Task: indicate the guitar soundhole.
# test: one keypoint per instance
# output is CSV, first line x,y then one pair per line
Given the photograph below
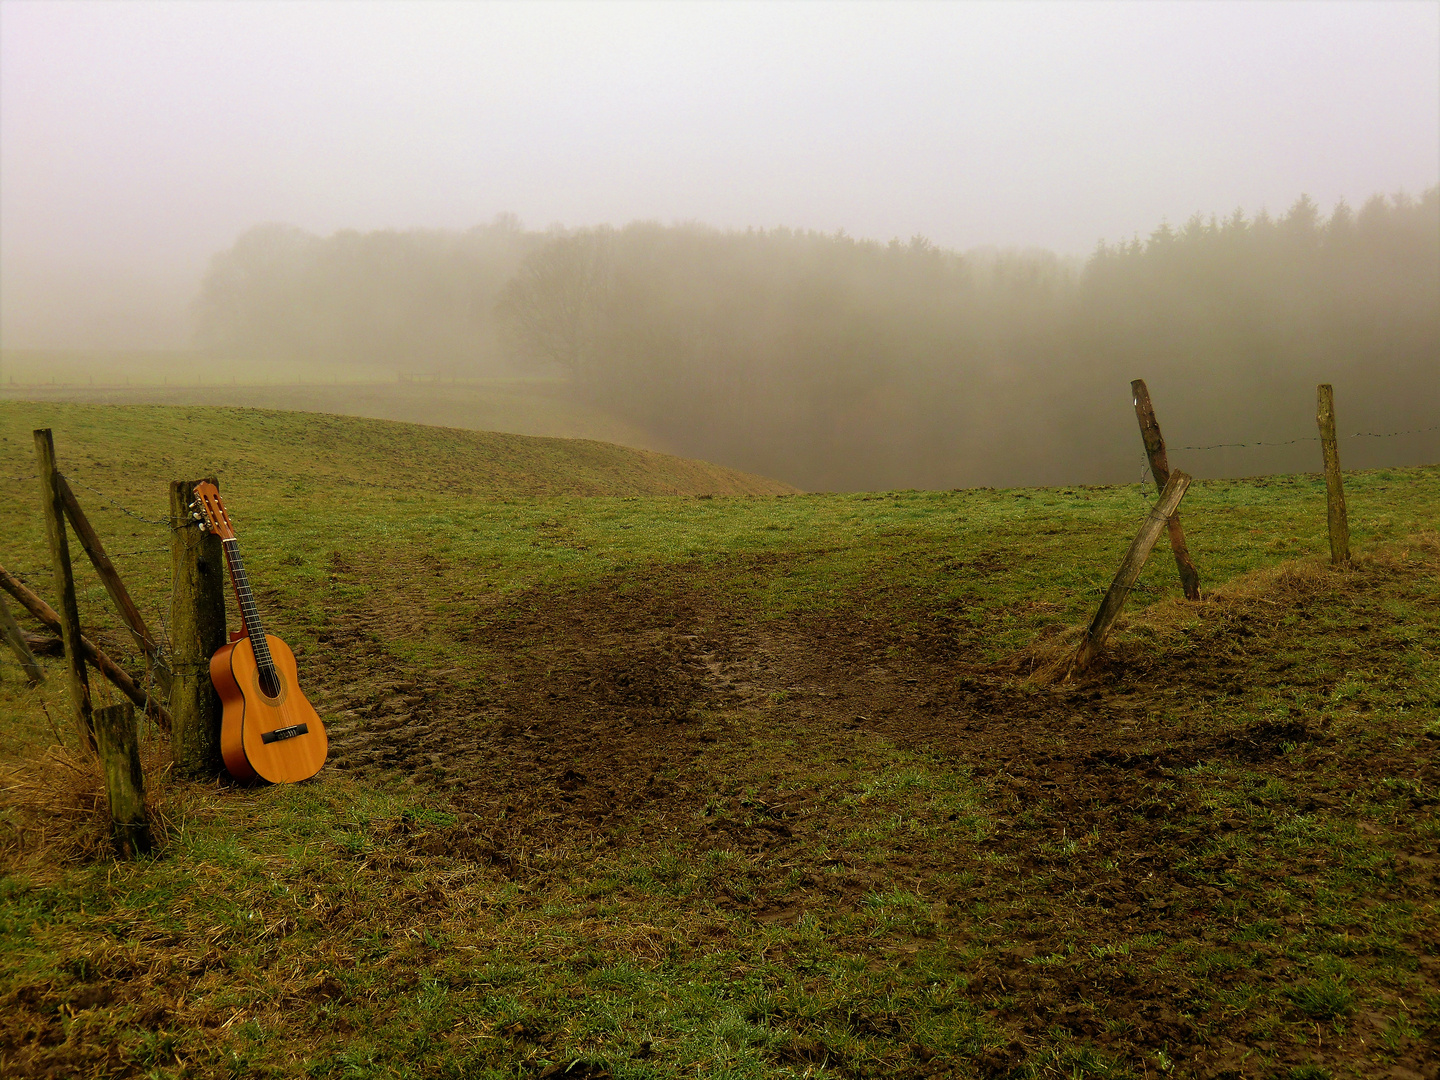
x,y
269,682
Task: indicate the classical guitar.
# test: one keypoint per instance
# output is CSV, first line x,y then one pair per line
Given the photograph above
x,y
267,728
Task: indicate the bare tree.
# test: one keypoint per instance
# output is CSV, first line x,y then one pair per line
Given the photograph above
x,y
550,310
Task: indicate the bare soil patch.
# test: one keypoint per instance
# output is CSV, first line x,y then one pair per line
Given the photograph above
x,y
612,714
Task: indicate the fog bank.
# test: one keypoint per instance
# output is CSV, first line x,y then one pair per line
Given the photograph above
x,y
137,139
833,363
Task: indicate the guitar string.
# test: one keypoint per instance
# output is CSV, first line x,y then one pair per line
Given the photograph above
x,y
249,613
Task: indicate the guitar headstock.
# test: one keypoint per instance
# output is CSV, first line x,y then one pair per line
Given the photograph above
x,y
209,510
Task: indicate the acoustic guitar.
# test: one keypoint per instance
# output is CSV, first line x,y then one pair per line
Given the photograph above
x,y
267,727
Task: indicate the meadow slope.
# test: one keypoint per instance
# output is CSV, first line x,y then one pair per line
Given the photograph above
x,y
270,447
743,786
545,407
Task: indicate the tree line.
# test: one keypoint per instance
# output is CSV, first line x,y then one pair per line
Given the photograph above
x,y
838,363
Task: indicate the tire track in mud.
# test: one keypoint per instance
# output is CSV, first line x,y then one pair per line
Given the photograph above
x,y
597,698
585,700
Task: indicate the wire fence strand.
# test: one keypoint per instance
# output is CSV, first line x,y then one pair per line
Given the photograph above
x,y
115,505
1312,438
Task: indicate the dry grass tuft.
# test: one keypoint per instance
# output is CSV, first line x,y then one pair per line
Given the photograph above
x,y
53,809
1046,659
1170,622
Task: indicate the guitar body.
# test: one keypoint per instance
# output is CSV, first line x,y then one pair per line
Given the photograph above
x,y
268,731
279,738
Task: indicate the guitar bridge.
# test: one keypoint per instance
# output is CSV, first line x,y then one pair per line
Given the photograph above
x,y
280,734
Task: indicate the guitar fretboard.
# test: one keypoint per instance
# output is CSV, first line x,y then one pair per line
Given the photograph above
x,y
248,611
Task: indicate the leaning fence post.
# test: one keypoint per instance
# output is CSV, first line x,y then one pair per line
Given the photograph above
x,y
51,503
1129,571
1160,468
1334,489
197,629
124,779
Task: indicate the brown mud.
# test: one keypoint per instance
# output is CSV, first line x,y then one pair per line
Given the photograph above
x,y
609,716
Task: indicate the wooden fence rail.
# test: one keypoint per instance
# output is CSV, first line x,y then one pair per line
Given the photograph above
x,y
111,670
15,638
129,612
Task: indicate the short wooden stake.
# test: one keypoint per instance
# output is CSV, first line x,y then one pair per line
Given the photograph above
x,y
124,780
1160,468
15,637
1129,571
1334,488
197,630
129,612
54,510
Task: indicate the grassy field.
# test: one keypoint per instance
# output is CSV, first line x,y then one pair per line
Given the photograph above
x,y
750,785
520,406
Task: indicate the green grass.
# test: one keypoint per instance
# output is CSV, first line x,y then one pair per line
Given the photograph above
x,y
519,405
825,882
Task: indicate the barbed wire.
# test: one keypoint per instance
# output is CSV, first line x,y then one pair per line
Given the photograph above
x,y
1312,438
1228,445
114,505
111,503
1147,479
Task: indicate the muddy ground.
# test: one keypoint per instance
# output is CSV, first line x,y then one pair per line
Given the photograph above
x,y
607,715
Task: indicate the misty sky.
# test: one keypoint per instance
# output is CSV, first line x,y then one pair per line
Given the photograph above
x,y
138,139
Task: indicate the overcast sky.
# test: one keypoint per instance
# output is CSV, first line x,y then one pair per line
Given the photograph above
x,y
138,139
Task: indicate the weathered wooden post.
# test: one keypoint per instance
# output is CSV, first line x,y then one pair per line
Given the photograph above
x,y
1334,488
1129,571
10,630
54,510
1160,468
197,629
124,781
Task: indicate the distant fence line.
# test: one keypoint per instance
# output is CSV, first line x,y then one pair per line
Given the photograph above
x,y
1147,481
1313,438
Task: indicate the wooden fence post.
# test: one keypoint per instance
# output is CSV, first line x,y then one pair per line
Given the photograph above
x,y
124,780
54,510
1160,468
1129,571
197,630
1334,489
12,633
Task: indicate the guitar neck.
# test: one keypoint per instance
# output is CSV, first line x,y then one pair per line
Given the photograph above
x,y
254,629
